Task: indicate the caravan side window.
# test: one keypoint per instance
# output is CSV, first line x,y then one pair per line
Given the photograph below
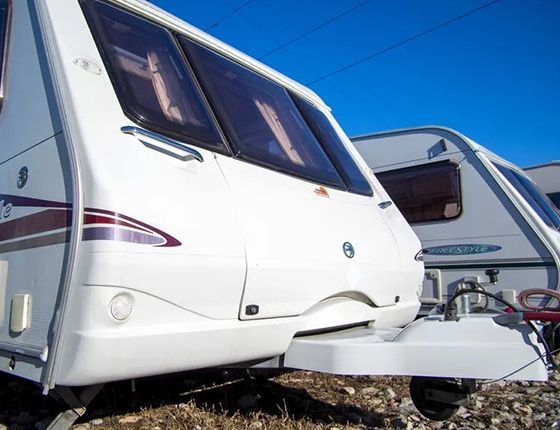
x,y
430,192
260,118
151,79
4,24
540,203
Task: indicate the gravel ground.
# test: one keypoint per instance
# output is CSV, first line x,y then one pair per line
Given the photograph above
x,y
297,400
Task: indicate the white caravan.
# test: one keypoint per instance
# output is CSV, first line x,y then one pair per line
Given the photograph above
x,y
169,203
547,177
478,216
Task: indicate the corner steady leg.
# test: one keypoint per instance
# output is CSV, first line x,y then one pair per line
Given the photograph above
x,y
76,404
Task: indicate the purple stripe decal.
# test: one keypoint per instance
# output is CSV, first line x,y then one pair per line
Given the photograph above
x,y
35,242
30,202
121,235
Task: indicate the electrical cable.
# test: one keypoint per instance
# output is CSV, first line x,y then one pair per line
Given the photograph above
x,y
314,29
520,368
229,15
551,358
402,42
481,290
552,330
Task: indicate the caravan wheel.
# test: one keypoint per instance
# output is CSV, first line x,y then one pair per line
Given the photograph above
x,y
423,390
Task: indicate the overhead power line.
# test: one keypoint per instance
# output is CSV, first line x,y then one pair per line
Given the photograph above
x,y
229,15
314,29
402,42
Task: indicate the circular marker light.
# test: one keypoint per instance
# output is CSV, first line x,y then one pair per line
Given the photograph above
x,y
121,306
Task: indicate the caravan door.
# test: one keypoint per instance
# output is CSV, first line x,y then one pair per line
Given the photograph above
x,y
307,237
35,196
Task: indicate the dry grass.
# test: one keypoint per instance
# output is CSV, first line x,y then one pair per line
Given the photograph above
x,y
298,400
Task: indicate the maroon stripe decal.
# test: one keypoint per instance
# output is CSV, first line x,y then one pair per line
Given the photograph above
x,y
41,222
100,219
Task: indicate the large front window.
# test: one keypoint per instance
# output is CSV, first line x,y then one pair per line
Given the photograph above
x,y
538,201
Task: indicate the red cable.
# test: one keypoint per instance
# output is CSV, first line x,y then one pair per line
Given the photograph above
x,y
541,316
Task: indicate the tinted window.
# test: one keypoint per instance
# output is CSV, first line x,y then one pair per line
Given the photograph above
x,y
540,203
4,17
260,118
336,150
555,198
150,76
425,193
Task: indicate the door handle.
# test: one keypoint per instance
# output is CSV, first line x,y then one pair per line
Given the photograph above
x,y
163,144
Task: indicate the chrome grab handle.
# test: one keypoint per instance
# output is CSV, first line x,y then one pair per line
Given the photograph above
x,y
163,144
385,205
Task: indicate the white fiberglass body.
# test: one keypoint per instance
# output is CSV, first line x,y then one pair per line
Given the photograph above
x,y
131,247
472,210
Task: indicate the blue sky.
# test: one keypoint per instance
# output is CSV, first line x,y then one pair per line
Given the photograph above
x,y
494,75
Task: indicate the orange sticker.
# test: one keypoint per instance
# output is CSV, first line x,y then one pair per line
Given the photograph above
x,y
322,192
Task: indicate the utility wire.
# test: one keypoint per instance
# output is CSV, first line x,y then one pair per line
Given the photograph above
x,y
229,15
314,29
402,42
539,357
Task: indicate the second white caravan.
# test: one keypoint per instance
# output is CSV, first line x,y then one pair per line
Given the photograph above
x,y
478,216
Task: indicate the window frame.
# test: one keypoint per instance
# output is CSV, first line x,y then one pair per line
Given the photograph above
x,y
420,166
4,48
223,146
542,213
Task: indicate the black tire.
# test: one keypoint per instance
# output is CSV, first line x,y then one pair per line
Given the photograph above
x,y
432,410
